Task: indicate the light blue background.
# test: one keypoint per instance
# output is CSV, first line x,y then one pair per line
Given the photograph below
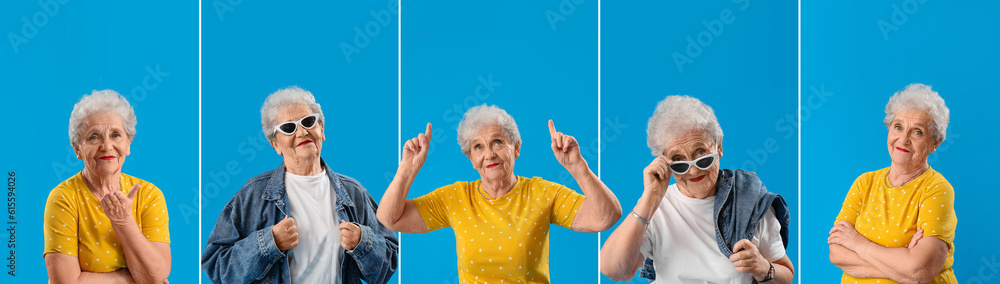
x,y
79,47
538,73
257,48
950,46
746,73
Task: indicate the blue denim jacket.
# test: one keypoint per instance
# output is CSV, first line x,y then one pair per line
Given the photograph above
x,y
241,248
741,200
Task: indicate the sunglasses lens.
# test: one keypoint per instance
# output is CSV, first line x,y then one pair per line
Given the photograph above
x,y
287,128
309,121
705,162
679,167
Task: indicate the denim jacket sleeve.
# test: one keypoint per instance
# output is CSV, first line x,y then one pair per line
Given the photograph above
x,y
231,258
377,251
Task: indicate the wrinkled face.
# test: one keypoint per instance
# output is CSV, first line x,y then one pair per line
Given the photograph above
x,y
910,139
103,143
304,143
492,153
690,146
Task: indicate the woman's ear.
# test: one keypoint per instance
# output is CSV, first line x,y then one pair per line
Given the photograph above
x,y
76,150
720,148
517,149
274,145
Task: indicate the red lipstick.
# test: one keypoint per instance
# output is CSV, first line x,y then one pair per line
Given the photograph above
x,y
107,158
902,150
493,165
304,142
697,179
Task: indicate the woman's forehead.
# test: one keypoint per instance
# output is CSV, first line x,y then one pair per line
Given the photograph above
x,y
912,116
489,131
689,141
103,120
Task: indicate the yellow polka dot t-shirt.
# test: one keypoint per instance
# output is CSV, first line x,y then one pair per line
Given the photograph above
x,y
504,239
75,224
889,216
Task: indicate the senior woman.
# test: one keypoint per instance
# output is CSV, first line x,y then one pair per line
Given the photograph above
x,y
301,222
898,223
712,225
101,225
501,221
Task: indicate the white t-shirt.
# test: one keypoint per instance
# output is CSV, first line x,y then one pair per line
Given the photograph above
x,y
312,199
681,241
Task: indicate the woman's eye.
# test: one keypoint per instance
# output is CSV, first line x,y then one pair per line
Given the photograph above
x,y
497,142
918,132
898,128
477,147
675,158
92,138
116,135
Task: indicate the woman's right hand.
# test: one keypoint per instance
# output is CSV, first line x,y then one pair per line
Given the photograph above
x,y
415,152
656,177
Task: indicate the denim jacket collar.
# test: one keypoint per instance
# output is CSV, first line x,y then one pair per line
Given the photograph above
x,y
275,190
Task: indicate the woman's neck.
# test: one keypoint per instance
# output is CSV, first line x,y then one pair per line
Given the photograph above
x,y
102,184
696,195
902,174
498,187
303,167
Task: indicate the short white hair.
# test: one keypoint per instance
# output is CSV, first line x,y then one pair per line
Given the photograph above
x,y
281,99
676,115
481,116
96,102
920,97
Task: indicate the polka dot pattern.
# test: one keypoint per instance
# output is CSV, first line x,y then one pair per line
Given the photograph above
x,y
506,239
77,226
889,216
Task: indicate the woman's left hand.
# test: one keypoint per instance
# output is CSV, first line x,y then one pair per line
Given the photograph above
x,y
118,206
843,233
350,235
747,259
565,148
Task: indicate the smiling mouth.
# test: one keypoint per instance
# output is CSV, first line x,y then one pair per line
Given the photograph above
x,y
304,142
697,179
902,150
107,158
493,165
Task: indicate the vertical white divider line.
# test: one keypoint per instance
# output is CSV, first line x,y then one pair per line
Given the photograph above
x,y
399,120
799,107
599,127
199,145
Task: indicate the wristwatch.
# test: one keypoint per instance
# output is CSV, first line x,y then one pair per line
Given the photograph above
x,y
770,274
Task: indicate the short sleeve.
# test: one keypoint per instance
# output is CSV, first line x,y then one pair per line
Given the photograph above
x,y
650,238
434,205
937,212
853,203
564,204
60,224
153,214
769,234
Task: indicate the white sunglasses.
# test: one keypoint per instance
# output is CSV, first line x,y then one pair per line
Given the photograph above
x,y
682,167
289,127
